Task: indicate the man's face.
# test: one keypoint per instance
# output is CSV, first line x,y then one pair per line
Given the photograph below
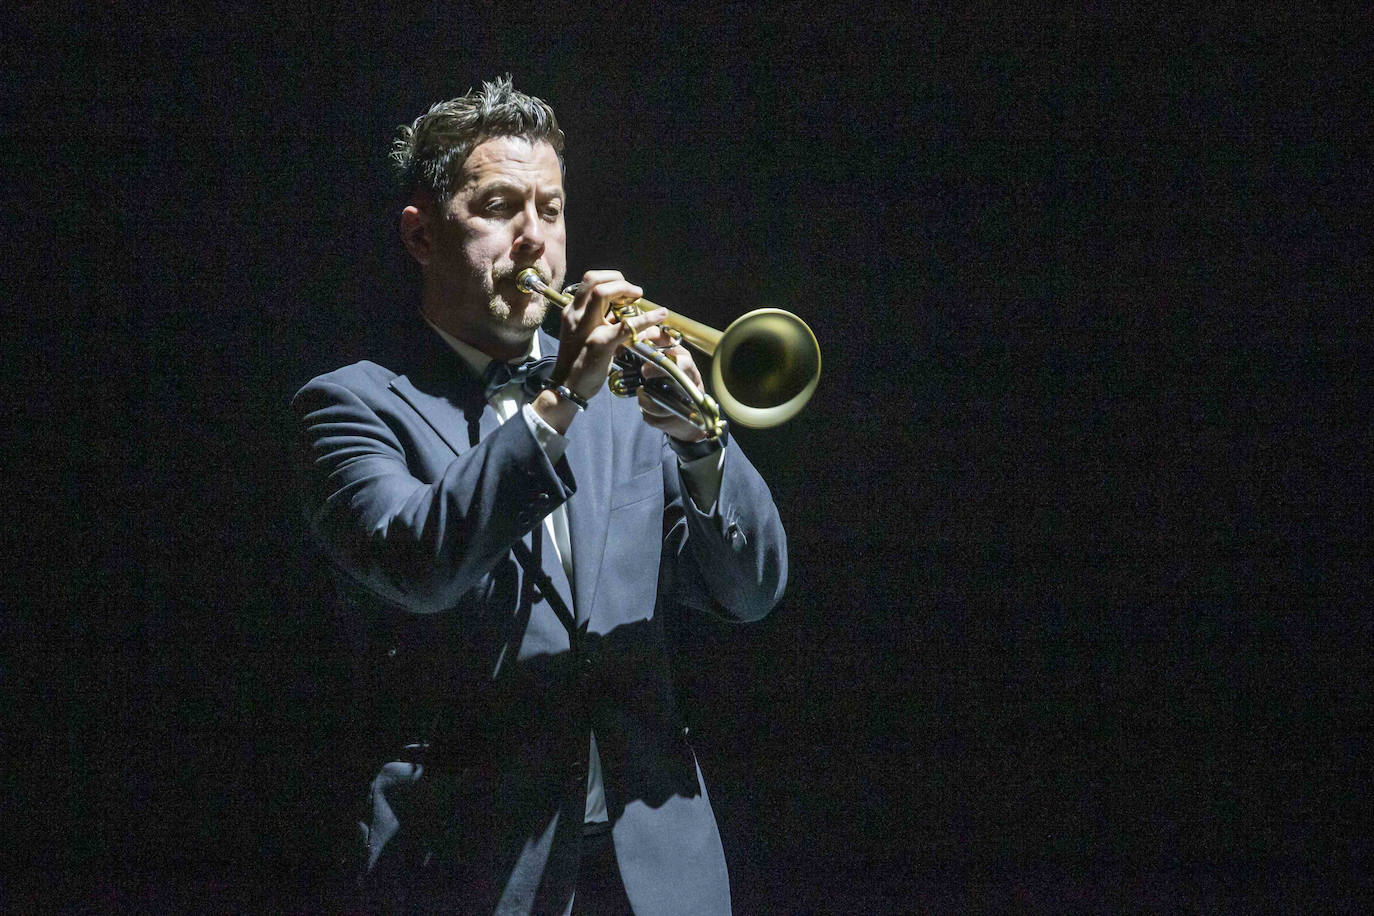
x,y
506,215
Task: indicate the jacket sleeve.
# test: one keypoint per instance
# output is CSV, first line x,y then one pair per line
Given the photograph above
x,y
417,544
734,559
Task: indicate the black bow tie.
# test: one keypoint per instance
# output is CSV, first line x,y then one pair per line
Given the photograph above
x,y
530,374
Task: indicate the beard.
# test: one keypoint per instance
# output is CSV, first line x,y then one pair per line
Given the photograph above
x,y
522,319
529,318
480,304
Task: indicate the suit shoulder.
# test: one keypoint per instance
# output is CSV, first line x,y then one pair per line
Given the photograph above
x,y
365,371
360,376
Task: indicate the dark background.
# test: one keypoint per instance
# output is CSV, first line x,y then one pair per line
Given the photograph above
x,y
1079,517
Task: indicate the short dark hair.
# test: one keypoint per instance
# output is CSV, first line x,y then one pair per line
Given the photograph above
x,y
430,152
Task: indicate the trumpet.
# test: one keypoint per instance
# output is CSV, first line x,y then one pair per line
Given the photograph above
x,y
765,365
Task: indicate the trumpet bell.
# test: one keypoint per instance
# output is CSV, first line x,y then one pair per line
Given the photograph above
x,y
765,368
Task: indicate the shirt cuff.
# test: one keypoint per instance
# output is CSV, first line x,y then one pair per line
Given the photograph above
x,y
551,442
702,479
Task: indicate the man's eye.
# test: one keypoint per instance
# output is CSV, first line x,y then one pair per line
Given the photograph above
x,y
552,213
497,205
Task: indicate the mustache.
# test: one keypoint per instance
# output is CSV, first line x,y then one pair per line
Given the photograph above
x,y
508,275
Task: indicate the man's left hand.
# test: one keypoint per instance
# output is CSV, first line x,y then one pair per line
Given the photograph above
x,y
652,413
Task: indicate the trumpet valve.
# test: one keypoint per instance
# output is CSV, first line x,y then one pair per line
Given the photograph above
x,y
626,310
624,383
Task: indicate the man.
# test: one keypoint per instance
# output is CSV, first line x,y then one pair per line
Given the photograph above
x,y
514,547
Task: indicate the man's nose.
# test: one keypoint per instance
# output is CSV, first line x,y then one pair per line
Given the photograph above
x,y
529,232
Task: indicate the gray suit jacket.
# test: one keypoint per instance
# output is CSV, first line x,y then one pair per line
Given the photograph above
x,y
430,511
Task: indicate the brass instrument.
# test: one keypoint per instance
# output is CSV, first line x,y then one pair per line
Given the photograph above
x,y
765,366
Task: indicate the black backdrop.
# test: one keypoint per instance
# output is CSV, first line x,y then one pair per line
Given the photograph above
x,y
1079,516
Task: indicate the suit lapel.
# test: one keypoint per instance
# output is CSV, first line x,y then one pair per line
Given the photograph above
x,y
589,456
446,394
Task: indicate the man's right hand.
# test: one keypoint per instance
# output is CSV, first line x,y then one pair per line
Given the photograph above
x,y
588,340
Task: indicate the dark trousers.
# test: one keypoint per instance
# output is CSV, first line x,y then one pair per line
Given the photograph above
x,y
600,892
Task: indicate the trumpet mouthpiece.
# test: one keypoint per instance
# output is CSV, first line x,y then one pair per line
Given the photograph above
x,y
530,280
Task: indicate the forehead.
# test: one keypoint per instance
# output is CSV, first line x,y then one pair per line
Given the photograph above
x,y
512,159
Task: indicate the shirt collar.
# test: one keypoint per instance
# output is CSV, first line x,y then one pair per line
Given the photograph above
x,y
473,358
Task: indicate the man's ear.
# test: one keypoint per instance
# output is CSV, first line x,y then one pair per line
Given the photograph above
x,y
415,234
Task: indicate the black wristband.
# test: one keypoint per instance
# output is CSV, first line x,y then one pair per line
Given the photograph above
x,y
564,392
689,451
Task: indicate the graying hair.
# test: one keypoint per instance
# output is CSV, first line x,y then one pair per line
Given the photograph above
x,y
429,154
